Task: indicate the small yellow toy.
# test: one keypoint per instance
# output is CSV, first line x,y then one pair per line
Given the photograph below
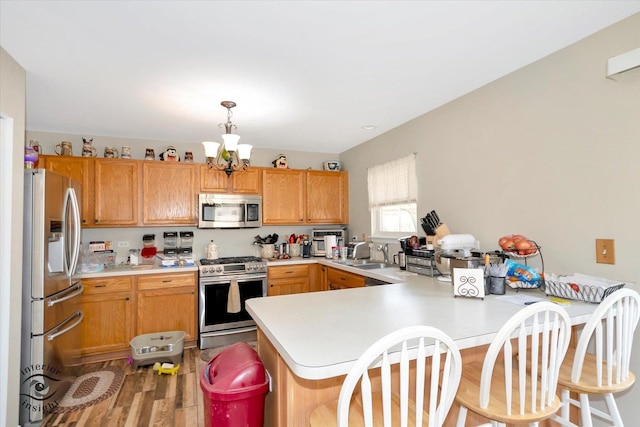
x,y
166,368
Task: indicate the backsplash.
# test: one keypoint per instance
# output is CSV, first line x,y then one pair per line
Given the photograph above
x,y
231,242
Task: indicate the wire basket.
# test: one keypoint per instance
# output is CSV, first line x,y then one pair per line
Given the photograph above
x,y
580,287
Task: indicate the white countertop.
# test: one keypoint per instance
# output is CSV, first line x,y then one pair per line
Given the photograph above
x,y
321,334
129,270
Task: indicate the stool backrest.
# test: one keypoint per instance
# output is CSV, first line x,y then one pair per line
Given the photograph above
x,y
540,334
419,343
610,331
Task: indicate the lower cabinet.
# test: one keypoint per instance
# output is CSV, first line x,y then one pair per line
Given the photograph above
x,y
167,302
118,308
288,279
106,304
340,279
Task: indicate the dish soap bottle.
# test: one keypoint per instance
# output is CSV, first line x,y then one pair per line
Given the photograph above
x,y
212,250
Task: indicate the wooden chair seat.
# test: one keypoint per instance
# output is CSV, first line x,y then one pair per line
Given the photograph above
x,y
325,415
589,380
469,391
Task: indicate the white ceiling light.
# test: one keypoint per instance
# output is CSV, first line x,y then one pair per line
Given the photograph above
x,y
228,156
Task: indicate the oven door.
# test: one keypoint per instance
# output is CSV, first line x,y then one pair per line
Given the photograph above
x,y
213,297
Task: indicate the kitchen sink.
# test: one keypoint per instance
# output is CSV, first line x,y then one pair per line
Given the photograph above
x,y
373,265
364,264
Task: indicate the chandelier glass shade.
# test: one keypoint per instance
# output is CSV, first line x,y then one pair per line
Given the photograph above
x,y
230,156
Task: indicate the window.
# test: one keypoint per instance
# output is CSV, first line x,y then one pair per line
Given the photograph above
x,y
393,195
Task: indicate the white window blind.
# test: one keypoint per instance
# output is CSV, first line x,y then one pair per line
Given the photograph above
x,y
393,182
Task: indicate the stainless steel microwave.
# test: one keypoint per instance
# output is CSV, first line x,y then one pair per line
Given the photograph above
x,y
229,211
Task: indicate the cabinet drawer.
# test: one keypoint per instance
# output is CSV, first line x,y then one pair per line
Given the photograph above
x,y
107,284
286,271
162,281
344,278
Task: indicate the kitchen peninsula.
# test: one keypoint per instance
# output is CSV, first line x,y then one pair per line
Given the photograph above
x,y
308,342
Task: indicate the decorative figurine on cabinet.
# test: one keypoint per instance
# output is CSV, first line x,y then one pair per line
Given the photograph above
x,y
281,162
171,155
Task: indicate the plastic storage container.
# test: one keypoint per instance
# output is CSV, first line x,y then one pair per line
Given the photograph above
x,y
234,384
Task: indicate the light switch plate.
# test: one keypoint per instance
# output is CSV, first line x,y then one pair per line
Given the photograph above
x,y
605,251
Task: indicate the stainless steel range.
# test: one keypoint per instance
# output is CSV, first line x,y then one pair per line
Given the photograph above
x,y
224,286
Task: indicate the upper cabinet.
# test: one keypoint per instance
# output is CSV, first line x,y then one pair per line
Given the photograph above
x,y
327,197
283,196
135,193
169,193
116,192
79,169
304,197
240,182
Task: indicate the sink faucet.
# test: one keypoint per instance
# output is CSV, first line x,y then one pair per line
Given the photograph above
x,y
385,251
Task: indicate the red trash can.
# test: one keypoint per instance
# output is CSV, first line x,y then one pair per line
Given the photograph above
x,y
234,384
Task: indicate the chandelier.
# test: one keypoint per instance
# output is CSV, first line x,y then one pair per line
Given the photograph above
x,y
228,156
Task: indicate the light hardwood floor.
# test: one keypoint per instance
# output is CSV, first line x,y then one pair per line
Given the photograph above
x,y
145,398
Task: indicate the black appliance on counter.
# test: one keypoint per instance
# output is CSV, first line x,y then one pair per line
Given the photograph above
x,y
219,280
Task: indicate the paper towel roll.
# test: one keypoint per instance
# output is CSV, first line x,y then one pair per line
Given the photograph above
x,y
329,242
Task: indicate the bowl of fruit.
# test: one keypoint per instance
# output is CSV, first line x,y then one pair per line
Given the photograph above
x,y
518,245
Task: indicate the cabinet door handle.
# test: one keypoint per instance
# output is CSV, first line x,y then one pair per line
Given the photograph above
x,y
167,281
96,220
288,272
126,299
101,286
343,278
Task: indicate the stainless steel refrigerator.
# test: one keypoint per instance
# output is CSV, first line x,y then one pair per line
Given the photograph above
x,y
50,292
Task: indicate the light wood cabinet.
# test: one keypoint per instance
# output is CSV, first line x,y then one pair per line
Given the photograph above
x,y
167,302
340,279
283,196
327,197
317,278
304,197
81,170
116,192
107,308
169,193
288,279
240,182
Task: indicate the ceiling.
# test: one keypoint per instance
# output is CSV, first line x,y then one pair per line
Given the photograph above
x,y
306,75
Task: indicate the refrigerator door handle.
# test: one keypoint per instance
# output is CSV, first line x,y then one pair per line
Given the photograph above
x,y
78,291
72,211
56,332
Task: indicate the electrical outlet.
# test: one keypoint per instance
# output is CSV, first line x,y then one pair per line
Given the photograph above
x,y
605,251
123,244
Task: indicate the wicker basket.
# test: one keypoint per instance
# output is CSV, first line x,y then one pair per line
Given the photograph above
x,y
580,287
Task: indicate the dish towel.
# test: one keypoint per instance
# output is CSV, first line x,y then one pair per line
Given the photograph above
x,y
233,301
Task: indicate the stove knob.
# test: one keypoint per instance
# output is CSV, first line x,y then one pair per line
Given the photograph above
x,y
219,269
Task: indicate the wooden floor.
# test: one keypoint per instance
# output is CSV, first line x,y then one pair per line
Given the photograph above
x,y
145,398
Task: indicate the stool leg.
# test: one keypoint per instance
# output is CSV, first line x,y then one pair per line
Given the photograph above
x,y
613,410
566,404
585,411
462,416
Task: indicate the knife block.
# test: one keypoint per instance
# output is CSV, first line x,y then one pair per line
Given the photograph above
x,y
441,231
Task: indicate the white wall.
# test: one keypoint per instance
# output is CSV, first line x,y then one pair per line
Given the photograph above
x,y
551,151
12,116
